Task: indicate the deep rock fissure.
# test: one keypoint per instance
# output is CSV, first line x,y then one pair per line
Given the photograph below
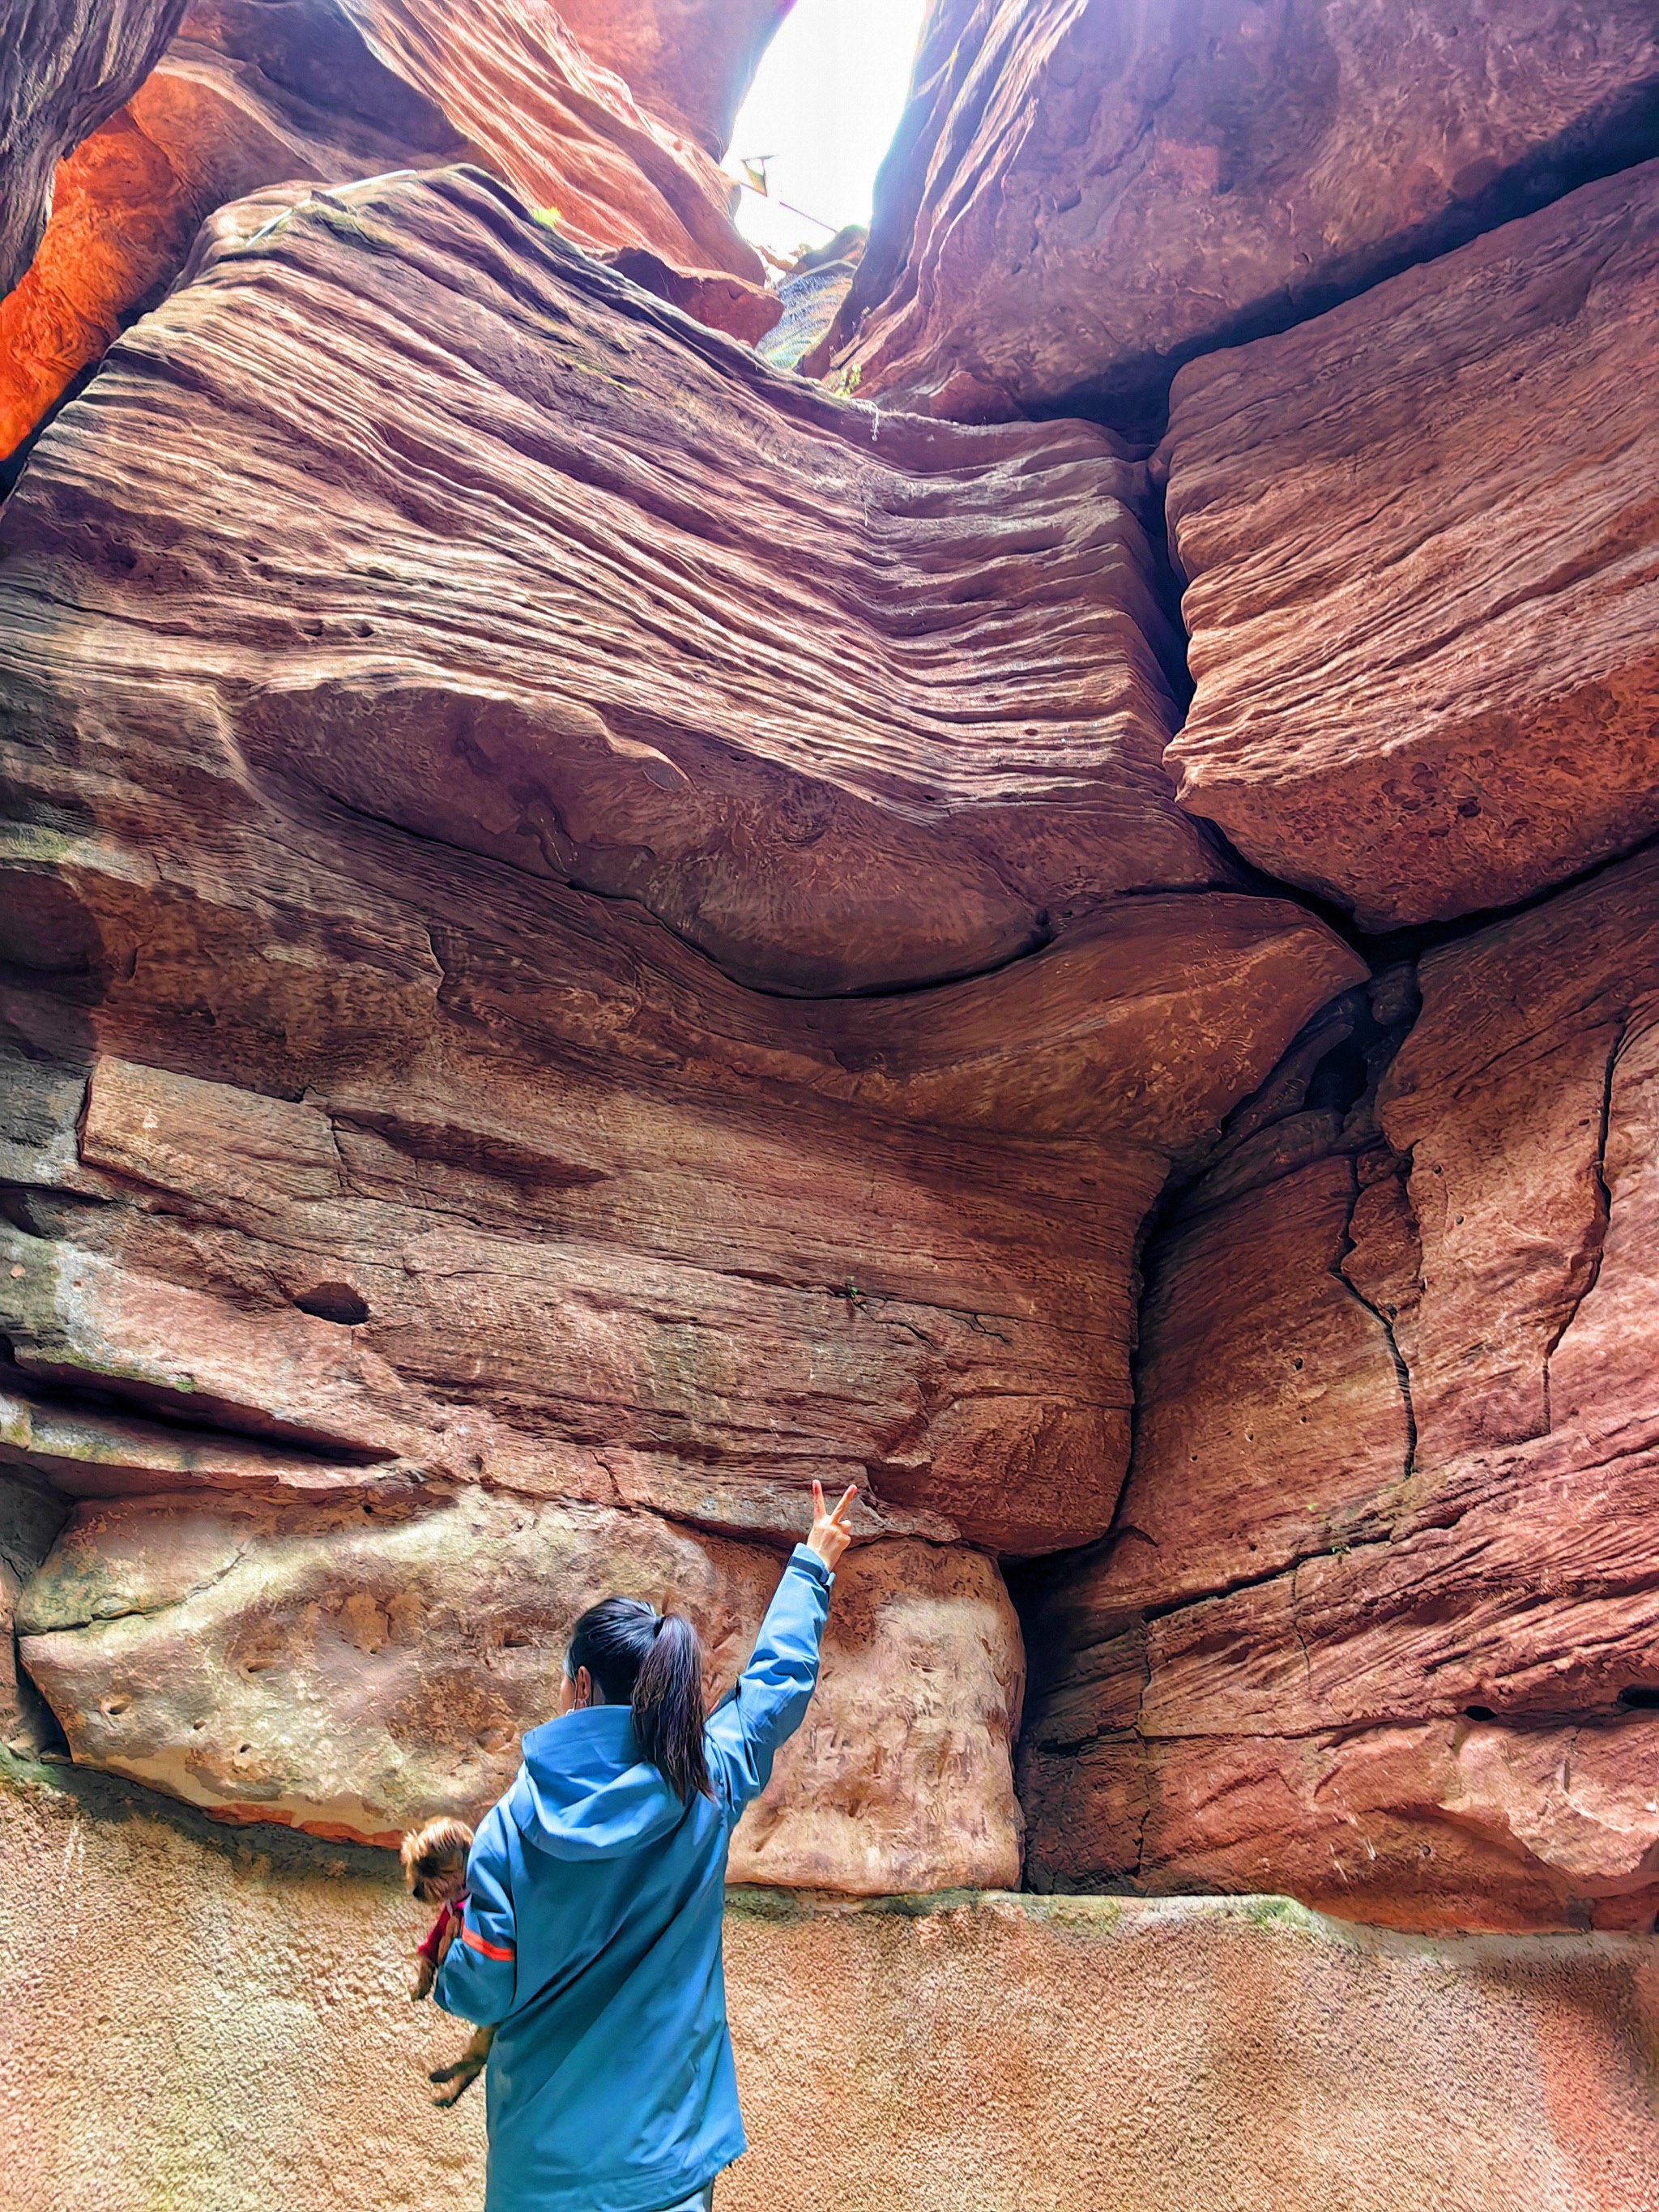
x,y
1604,1215
1402,1373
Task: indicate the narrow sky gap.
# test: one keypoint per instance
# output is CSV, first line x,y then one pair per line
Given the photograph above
x,y
820,115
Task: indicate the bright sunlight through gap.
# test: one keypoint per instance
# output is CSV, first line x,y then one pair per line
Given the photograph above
x,y
824,105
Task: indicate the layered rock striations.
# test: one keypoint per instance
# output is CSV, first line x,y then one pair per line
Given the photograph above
x,y
551,1003
689,61
1420,544
1082,195
252,95
1378,1620
246,95
592,933
64,68
564,130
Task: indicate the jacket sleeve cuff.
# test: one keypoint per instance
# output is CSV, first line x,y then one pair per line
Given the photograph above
x,y
804,1556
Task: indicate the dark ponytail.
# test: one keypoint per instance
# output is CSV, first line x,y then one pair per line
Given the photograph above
x,y
652,1663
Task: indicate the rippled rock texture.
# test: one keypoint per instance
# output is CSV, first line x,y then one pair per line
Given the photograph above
x,y
1381,1618
63,68
594,930
1081,195
257,93
1421,545
563,985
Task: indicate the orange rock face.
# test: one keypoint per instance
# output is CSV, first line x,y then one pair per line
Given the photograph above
x,y
1380,1623
582,1001
689,61
1081,197
1422,554
250,94
241,98
62,70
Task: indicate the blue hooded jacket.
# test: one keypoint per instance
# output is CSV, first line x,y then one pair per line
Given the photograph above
x,y
593,1939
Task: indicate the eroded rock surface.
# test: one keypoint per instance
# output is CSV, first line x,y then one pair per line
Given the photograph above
x,y
1380,1621
1422,549
193,1646
1082,195
973,685
563,129
256,93
563,980
31,1515
63,68
689,61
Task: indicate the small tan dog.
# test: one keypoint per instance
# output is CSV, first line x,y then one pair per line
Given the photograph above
x,y
435,1868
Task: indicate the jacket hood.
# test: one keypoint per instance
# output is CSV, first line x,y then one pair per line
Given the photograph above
x,y
584,1792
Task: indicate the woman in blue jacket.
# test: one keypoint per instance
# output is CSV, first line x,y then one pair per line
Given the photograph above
x,y
596,1888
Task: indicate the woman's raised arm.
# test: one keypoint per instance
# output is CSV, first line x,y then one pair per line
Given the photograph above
x,y
775,1689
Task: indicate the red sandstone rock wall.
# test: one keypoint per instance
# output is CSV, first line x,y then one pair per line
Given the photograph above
x,y
689,61
1421,549
1085,193
256,93
592,932
477,1109
62,70
1380,1621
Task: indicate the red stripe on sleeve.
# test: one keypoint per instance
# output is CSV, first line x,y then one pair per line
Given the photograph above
x,y
476,1942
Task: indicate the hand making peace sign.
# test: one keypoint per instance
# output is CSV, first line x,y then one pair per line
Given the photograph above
x,y
830,1535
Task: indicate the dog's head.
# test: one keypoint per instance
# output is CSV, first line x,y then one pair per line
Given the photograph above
x,y
434,1861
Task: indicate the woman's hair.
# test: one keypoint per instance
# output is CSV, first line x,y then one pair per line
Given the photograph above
x,y
652,1662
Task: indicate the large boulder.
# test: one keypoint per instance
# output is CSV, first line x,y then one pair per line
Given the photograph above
x,y
63,68
352,1671
254,92
1083,194
1379,1623
1422,559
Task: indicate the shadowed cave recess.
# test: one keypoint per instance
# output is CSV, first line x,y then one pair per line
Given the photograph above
x,y
1054,913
